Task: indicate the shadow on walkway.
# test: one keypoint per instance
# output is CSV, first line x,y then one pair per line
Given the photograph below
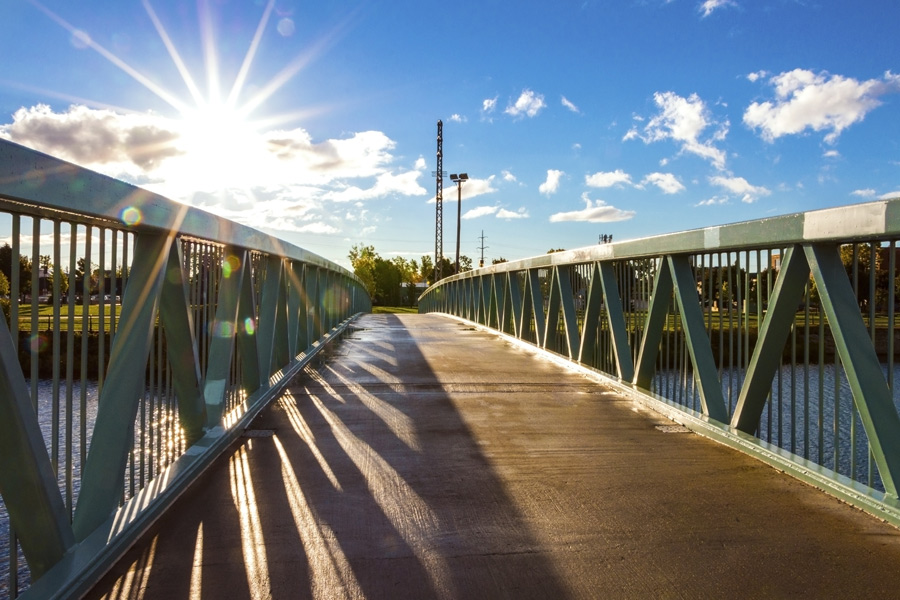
x,y
427,459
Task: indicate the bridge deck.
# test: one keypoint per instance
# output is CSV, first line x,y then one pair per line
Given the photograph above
x,y
427,459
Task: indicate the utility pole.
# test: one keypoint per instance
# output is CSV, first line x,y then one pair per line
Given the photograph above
x,y
439,206
458,180
482,247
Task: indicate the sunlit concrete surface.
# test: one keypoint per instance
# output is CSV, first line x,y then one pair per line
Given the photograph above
x,y
427,459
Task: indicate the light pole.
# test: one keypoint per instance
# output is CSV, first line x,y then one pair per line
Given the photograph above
x,y
458,180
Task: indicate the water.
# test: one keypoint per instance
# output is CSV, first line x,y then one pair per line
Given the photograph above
x,y
45,420
804,421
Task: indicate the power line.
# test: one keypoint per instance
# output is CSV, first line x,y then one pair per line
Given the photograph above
x,y
482,247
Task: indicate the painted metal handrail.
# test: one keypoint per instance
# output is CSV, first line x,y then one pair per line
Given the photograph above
x,y
777,336
142,337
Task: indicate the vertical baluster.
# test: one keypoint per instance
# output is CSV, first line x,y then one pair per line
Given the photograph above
x,y
55,287
35,319
101,316
70,367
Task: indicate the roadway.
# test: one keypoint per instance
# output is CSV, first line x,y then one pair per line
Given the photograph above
x,y
427,459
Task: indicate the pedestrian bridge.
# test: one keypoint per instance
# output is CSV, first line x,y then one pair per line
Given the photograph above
x,y
591,423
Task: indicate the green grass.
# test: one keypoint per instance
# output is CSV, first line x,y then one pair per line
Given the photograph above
x,y
45,316
391,310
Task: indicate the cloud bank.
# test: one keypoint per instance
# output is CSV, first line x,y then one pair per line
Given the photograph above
x,y
817,101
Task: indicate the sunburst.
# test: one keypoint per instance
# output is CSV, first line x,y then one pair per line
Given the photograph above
x,y
219,134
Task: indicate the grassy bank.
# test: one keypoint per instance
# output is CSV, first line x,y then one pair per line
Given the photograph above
x,y
393,310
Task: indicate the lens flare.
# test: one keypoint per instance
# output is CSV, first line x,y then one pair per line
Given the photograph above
x,y
131,216
225,330
249,326
232,263
37,343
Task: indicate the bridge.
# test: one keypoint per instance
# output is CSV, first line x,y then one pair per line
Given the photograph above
x,y
597,422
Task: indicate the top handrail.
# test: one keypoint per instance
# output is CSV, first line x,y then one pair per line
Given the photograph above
x,y
52,186
870,220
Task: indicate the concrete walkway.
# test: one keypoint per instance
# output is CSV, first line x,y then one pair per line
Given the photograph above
x,y
426,459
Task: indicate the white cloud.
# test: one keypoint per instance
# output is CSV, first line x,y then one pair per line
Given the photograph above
x,y
90,137
753,77
741,187
528,104
500,213
593,212
480,211
271,180
508,214
631,134
471,188
551,185
604,179
320,228
709,6
714,201
457,118
489,104
866,193
890,195
831,154
569,105
507,176
386,184
667,182
684,120
818,101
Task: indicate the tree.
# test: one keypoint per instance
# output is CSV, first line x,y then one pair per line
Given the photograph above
x,y
24,268
426,270
363,260
388,282
497,261
409,275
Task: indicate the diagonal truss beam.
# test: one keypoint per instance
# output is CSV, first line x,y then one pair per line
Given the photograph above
x,y
871,393
773,334
35,507
175,314
705,371
225,326
104,470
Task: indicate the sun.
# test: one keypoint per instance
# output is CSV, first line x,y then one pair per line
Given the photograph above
x,y
218,146
222,147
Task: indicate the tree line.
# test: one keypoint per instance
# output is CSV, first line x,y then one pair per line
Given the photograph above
x,y
86,276
398,281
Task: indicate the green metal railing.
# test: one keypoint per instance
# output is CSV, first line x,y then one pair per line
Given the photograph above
x,y
141,337
778,336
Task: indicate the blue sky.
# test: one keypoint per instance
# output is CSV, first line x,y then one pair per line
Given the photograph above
x,y
316,121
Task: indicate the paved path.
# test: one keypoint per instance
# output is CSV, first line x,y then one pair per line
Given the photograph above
x,y
426,459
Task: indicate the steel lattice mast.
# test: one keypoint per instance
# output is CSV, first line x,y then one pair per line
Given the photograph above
x,y
439,206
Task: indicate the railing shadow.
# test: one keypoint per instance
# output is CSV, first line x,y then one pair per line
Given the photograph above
x,y
362,481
